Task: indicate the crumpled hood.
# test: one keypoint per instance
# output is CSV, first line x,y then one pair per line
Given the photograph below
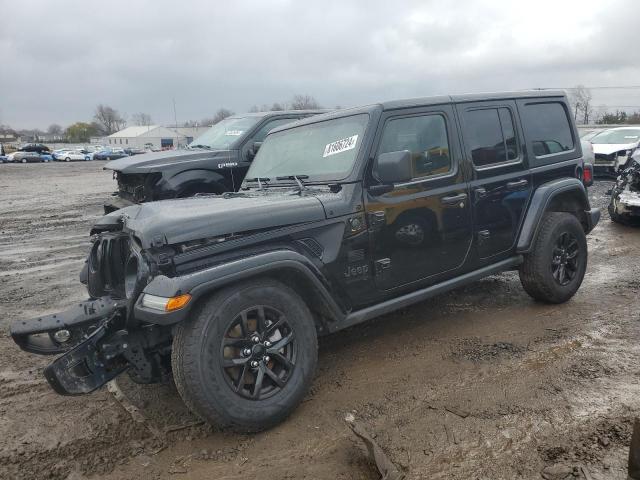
x,y
152,161
609,148
182,220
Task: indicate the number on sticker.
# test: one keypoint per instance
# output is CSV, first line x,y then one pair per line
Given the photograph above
x,y
340,146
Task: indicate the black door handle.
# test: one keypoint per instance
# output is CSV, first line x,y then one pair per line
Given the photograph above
x,y
452,200
480,193
518,185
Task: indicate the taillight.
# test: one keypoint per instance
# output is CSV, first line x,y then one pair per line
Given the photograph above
x,y
587,175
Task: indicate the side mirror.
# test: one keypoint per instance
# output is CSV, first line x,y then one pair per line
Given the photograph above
x,y
253,151
394,167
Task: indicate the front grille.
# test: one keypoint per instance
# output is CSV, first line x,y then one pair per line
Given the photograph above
x,y
106,265
131,187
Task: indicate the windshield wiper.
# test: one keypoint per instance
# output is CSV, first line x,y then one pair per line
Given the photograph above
x,y
297,178
206,147
259,180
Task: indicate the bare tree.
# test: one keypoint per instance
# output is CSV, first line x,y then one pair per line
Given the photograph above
x,y
141,119
277,107
580,100
109,119
221,115
54,129
304,102
254,109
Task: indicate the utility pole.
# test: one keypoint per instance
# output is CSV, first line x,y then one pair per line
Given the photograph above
x,y
175,117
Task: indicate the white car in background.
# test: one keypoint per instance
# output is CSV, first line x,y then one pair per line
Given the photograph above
x,y
613,148
60,154
74,156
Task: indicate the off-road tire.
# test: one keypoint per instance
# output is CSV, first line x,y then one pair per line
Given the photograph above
x,y
197,364
536,271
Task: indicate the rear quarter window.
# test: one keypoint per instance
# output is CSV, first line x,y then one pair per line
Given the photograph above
x,y
548,131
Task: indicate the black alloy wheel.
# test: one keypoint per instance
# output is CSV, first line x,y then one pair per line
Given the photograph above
x,y
258,353
564,263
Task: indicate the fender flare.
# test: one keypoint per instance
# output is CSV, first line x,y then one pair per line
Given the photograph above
x,y
202,282
170,187
540,202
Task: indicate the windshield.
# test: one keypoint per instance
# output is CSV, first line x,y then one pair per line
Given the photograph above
x,y
323,151
628,135
224,133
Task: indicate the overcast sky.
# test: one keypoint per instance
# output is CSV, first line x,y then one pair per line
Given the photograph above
x,y
61,58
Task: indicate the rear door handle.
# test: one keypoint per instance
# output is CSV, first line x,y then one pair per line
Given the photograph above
x,y
480,193
452,200
518,185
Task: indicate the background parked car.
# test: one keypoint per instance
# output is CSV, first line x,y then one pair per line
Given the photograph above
x,y
134,151
26,157
613,148
33,147
110,154
4,159
59,154
46,157
75,156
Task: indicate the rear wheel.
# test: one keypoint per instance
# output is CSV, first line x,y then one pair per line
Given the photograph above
x,y
24,160
553,271
67,159
247,355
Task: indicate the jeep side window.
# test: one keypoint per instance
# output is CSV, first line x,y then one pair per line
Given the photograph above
x,y
491,136
548,127
425,136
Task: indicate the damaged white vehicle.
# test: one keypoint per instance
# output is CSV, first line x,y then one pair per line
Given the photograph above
x,y
613,148
625,195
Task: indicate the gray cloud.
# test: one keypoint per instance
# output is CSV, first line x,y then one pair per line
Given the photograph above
x,y
62,58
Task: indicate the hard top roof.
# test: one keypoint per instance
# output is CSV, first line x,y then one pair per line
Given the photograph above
x,y
278,113
425,101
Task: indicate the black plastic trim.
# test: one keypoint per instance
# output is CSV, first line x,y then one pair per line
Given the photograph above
x,y
423,294
203,281
539,204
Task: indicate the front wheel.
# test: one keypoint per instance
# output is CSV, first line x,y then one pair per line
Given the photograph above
x,y
67,159
246,356
553,271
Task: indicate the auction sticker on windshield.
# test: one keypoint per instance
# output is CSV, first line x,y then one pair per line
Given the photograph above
x,y
233,133
340,146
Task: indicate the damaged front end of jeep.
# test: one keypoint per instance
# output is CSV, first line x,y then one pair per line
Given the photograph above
x,y
625,195
102,337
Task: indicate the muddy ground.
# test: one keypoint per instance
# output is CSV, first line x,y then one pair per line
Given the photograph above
x,y
545,391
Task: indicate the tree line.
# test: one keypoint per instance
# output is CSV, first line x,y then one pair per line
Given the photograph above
x,y
107,120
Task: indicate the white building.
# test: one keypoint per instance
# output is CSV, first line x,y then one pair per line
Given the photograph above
x,y
152,136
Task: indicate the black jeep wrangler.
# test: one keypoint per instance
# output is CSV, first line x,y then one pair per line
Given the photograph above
x,y
215,162
342,217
